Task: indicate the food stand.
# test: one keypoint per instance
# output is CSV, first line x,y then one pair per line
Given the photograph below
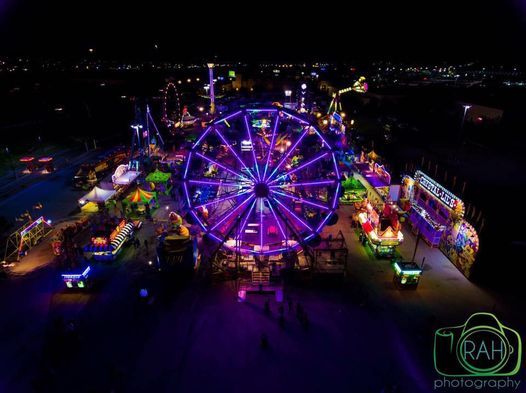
x,y
375,178
382,231
433,208
353,190
406,274
80,280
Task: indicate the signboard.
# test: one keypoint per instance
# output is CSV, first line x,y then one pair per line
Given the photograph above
x,y
231,74
437,190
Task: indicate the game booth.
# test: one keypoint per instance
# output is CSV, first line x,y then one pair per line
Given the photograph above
x,y
77,279
433,208
406,274
353,190
124,176
159,181
139,202
382,231
109,238
374,177
93,200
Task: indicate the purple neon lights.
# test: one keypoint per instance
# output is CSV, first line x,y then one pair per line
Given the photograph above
x,y
299,168
227,216
304,184
288,153
221,166
233,152
300,199
219,200
236,174
272,141
249,132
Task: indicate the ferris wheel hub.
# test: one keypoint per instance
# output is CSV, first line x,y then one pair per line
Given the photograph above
x,y
261,190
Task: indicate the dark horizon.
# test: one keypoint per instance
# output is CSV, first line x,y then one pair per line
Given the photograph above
x,y
395,32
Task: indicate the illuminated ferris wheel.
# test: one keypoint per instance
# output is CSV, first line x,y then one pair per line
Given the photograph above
x,y
171,106
261,181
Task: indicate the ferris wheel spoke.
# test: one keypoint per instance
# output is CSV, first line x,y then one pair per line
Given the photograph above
x,y
271,147
261,227
230,170
300,199
253,148
221,136
277,221
219,200
298,219
288,153
322,183
245,220
306,164
232,211
219,183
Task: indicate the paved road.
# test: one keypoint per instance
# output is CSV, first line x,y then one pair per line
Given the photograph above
x,y
362,335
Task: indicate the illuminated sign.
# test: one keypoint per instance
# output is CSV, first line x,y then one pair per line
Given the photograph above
x,y
437,190
231,74
38,221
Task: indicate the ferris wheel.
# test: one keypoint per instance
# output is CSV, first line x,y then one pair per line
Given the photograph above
x,y
261,181
171,106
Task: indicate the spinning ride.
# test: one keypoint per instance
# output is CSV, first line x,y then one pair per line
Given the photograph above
x,y
262,181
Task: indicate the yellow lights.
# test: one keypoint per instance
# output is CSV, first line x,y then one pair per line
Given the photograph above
x,y
343,114
352,122
189,80
325,122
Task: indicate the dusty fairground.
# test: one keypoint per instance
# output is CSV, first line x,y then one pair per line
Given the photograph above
x,y
192,335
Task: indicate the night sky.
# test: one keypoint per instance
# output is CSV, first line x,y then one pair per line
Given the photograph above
x,y
396,30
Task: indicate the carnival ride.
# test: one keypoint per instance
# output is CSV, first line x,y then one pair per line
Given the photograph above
x,y
171,107
262,182
360,86
107,241
26,237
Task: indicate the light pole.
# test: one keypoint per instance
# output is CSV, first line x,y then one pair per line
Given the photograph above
x,y
212,95
461,133
466,108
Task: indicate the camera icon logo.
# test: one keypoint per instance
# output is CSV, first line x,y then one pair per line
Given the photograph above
x,y
481,347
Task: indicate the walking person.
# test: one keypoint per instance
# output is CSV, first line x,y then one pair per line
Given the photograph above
x,y
146,246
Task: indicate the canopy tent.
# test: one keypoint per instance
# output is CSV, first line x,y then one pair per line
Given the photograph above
x,y
159,181
158,177
140,196
97,195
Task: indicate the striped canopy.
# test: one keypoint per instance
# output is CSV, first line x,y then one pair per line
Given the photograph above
x,y
140,196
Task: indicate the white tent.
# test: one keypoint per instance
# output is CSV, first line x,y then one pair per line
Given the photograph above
x,y
124,176
97,195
